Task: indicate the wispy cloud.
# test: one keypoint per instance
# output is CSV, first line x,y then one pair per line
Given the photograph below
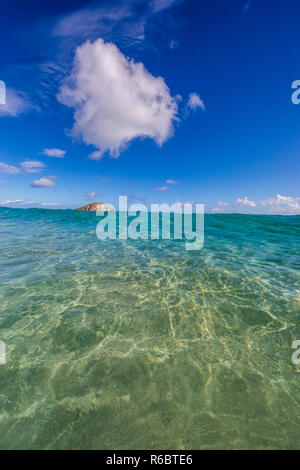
x,y
104,179
91,20
20,202
125,19
220,206
159,5
11,170
50,203
8,201
57,153
53,39
32,166
163,188
91,194
133,198
16,103
173,182
247,6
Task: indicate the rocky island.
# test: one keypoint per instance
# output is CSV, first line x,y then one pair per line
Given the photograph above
x,y
95,206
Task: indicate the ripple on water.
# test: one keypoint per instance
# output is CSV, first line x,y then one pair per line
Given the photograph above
x,y
144,345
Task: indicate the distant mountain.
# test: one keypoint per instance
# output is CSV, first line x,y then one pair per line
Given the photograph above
x,y
95,206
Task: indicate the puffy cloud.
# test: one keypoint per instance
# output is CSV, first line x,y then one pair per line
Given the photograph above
x,y
174,182
16,103
163,188
32,166
116,100
42,183
245,202
279,205
195,102
283,204
57,153
12,170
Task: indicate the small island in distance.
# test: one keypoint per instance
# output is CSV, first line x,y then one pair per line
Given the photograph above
x,y
95,206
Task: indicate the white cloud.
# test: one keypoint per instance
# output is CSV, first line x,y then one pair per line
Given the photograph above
x,y
91,194
173,182
32,166
279,205
12,170
283,204
16,201
195,102
245,202
42,183
159,5
125,19
163,188
116,99
20,202
50,203
54,153
97,155
2,182
86,21
16,103
220,206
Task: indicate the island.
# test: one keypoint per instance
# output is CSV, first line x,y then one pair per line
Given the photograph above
x,y
95,206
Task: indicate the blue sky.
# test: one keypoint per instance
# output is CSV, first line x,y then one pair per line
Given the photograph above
x,y
88,118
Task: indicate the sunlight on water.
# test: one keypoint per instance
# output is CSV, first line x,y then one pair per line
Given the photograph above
x,y
143,345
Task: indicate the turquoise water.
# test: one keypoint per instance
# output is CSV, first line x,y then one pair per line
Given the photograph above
x,y
144,345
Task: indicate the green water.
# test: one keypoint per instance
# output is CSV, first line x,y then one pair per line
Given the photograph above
x,y
144,345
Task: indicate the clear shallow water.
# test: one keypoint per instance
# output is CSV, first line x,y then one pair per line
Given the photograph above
x,y
143,345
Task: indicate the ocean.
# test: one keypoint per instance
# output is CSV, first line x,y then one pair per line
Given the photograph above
x,y
141,344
